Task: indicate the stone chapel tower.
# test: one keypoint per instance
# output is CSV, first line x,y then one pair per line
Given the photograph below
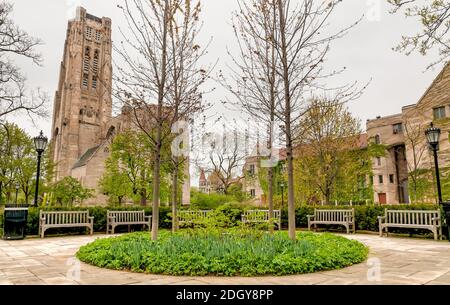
x,y
82,104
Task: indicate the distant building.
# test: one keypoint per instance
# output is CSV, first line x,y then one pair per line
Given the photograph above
x,y
83,125
403,135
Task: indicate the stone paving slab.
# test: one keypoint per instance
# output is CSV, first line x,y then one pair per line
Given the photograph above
x,y
392,260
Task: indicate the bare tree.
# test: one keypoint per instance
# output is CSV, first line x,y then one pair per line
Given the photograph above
x,y
435,19
16,42
225,157
158,57
301,42
415,140
254,81
187,77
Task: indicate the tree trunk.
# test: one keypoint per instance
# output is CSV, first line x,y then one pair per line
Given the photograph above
x,y
161,96
287,121
175,197
155,205
270,198
143,197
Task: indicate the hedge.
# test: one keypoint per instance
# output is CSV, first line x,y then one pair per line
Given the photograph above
x,y
366,217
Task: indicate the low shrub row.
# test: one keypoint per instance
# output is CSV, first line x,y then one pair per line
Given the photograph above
x,y
366,217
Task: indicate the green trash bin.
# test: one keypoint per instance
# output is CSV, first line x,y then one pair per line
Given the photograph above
x,y
15,222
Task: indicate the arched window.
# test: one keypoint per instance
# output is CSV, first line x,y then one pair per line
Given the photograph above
x,y
86,62
95,64
111,132
377,139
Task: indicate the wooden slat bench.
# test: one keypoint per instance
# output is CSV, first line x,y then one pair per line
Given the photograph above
x,y
413,219
261,216
191,217
345,218
64,219
119,218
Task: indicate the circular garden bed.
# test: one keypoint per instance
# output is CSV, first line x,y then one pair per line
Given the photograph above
x,y
231,254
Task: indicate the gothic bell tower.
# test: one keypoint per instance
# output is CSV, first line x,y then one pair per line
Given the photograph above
x,y
82,102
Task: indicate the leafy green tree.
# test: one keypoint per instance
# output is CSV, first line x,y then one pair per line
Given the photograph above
x,y
129,169
115,183
69,191
18,162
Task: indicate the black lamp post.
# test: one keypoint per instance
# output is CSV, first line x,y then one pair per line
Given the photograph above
x,y
433,134
282,194
17,191
40,143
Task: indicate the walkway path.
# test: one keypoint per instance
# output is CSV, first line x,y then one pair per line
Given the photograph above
x,y
392,261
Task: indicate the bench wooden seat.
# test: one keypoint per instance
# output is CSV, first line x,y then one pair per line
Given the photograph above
x,y
64,219
191,217
119,218
345,218
261,216
413,219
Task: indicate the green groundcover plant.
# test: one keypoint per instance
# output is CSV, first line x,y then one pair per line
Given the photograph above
x,y
230,253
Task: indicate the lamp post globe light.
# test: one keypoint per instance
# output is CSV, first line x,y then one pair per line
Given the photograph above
x,y
433,135
40,143
17,191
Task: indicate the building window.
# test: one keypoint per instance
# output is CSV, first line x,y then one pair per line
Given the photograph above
x,y
378,161
86,60
94,82
252,193
251,170
361,182
391,178
98,36
380,179
88,32
397,128
377,139
95,64
439,113
85,80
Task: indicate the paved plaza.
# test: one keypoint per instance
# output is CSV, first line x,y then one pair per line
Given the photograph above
x,y
392,261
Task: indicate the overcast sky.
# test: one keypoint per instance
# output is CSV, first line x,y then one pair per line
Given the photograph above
x,y
366,52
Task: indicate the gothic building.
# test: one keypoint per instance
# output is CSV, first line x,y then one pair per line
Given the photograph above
x,y
407,154
83,124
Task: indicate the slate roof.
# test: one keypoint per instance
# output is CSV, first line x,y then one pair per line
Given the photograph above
x,y
85,157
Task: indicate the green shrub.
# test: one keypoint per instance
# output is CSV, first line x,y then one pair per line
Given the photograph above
x,y
232,254
203,201
229,215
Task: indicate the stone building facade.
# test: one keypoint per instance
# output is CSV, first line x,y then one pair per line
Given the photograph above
x,y
83,124
403,135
